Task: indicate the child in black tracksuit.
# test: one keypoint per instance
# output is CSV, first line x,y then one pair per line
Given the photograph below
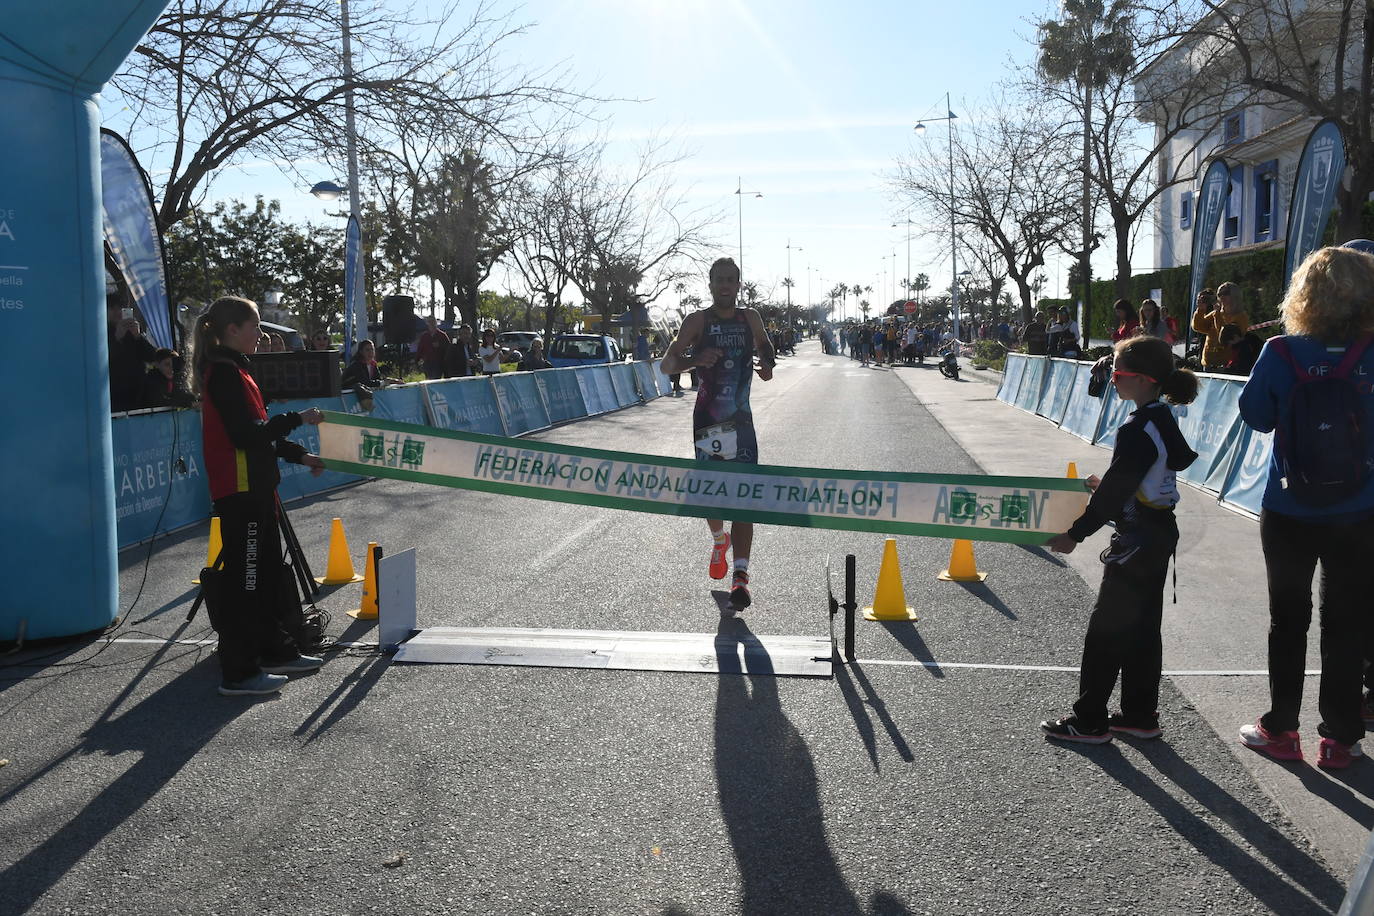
x,y
1138,493
241,448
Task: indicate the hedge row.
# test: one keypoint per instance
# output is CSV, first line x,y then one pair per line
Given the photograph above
x,y
1259,272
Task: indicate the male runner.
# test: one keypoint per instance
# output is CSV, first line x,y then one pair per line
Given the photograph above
x,y
722,341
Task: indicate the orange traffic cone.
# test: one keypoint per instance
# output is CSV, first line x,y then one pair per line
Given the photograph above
x,y
216,545
961,565
889,601
368,610
340,570
1073,470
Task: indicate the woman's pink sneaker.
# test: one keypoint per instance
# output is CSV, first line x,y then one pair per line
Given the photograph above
x,y
1332,755
1281,746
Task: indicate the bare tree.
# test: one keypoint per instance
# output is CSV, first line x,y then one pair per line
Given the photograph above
x,y
1090,44
987,276
545,246
1010,188
1297,57
216,82
636,236
1129,173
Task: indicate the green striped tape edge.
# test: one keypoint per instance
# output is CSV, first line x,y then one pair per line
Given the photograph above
x,y
1024,483
794,520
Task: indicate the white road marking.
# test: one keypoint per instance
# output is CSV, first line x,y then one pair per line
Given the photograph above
x,y
916,663
134,640
889,662
565,545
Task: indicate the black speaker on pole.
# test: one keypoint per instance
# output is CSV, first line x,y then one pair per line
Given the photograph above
x,y
398,319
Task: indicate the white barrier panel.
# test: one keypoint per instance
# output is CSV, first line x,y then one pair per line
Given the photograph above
x,y
1232,462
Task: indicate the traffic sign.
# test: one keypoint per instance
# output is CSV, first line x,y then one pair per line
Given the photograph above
x,y
910,307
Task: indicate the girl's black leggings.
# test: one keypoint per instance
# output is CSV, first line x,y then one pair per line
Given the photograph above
x,y
1123,633
248,620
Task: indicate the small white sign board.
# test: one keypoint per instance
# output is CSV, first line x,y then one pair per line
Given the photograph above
x,y
395,598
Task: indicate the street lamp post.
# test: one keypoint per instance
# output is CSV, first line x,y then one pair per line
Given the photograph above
x,y
790,249
907,289
953,242
887,269
739,193
809,303
354,309
894,276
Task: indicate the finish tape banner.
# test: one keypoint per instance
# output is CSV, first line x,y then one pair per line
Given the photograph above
x,y
1019,510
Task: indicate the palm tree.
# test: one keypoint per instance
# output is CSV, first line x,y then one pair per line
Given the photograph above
x,y
1088,46
840,292
919,284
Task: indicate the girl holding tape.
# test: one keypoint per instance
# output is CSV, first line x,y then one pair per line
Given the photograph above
x,y
241,450
1137,493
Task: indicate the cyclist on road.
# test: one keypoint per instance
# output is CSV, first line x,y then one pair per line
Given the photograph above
x,y
720,343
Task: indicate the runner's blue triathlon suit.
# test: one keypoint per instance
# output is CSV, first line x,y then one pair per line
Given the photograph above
x,y
723,392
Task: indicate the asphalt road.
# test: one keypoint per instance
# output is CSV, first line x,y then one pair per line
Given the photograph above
x,y
907,784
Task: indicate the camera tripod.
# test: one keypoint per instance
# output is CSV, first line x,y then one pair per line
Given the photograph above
x,y
304,586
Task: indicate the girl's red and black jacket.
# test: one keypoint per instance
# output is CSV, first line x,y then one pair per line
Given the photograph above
x,y
241,444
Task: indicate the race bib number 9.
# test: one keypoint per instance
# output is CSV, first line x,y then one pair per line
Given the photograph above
x,y
718,441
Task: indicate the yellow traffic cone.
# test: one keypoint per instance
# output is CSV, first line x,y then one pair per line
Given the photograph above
x,y
339,570
368,610
961,565
216,545
889,601
1073,470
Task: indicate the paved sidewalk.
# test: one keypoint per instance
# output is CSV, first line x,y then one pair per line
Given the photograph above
x,y
1220,620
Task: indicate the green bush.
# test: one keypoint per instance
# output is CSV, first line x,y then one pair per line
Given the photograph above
x,y
1258,273
989,354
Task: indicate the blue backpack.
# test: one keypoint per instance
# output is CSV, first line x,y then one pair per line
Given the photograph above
x,y
1321,439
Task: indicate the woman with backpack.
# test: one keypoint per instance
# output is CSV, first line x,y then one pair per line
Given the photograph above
x,y
1312,389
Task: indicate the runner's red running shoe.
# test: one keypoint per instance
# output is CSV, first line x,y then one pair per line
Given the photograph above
x,y
739,590
719,564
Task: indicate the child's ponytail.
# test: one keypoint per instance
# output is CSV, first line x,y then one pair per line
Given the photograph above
x,y
202,338
1179,386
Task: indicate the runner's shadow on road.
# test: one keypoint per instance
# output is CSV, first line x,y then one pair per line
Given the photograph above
x,y
1257,875
851,679
769,793
905,632
722,599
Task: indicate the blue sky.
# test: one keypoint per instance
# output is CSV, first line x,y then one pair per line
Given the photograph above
x,y
809,103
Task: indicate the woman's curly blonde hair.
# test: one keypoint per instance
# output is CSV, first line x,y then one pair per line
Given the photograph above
x,y
1331,296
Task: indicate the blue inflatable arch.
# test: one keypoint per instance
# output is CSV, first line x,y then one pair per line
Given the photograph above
x,y
57,514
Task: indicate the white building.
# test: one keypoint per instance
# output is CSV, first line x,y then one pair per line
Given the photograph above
x,y
1259,135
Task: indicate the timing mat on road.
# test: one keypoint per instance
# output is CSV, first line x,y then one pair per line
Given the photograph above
x,y
725,652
